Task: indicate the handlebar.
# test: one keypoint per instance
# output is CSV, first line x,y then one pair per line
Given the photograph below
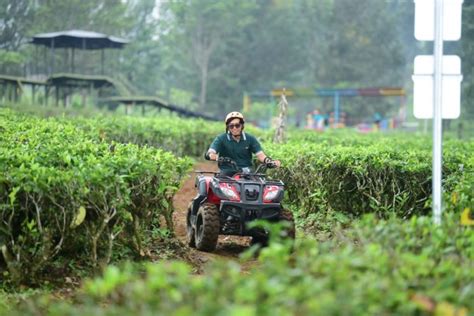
x,y
227,161
264,166
268,164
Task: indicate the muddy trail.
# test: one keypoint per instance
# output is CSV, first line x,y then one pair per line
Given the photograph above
x,y
228,247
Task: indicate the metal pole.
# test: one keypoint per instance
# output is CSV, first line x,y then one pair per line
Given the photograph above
x,y
437,114
336,109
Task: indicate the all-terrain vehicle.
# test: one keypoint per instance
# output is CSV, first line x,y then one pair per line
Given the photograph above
x,y
226,204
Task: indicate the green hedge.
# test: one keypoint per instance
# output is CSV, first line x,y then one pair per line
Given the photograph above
x,y
183,137
388,267
66,194
357,175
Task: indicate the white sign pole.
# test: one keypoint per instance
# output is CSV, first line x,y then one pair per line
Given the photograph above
x,y
437,121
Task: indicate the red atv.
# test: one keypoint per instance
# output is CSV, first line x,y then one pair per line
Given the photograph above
x,y
225,204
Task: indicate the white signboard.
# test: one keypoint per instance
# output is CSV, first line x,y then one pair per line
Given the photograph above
x,y
423,87
425,16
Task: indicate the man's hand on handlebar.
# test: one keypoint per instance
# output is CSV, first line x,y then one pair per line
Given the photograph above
x,y
271,163
274,164
211,156
224,160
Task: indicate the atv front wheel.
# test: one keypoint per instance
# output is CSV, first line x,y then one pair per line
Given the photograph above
x,y
287,217
190,239
260,237
207,227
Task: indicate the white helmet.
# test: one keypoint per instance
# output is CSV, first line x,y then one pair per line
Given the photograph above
x,y
233,115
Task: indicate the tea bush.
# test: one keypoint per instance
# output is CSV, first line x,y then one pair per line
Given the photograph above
x,y
378,267
66,194
190,137
359,175
183,137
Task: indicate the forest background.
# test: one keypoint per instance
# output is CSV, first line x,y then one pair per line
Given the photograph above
x,y
205,55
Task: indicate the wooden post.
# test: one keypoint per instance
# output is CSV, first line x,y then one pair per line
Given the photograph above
x,y
45,55
84,97
279,136
56,88
102,62
10,92
46,95
65,94
66,59
128,107
72,60
83,50
52,57
36,60
15,92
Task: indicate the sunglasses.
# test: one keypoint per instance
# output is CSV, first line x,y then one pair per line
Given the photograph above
x,y
231,126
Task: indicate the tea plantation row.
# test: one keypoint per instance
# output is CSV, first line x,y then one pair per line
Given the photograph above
x,y
67,195
354,175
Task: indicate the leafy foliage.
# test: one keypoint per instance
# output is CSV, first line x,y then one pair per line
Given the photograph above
x,y
180,136
362,174
375,267
66,193
16,19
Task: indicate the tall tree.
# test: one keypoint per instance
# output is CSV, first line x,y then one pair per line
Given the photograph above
x,y
142,56
106,16
365,48
15,19
467,40
202,28
316,18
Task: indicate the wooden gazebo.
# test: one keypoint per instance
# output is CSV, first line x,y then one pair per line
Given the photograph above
x,y
76,39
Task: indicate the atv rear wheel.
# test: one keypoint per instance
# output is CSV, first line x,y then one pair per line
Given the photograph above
x,y
190,238
207,227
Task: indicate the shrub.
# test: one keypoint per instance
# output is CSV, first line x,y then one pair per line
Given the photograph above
x,y
63,193
378,267
379,177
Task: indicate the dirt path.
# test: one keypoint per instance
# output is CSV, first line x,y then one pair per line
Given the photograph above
x,y
228,247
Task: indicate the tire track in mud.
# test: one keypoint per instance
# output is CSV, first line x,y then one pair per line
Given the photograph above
x,y
228,247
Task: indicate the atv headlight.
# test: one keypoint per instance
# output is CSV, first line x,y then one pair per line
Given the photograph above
x,y
229,191
272,193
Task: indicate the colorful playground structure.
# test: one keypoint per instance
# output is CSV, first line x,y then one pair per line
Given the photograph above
x,y
337,118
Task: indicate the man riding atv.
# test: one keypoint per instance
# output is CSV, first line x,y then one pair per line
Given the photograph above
x,y
237,145
235,196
